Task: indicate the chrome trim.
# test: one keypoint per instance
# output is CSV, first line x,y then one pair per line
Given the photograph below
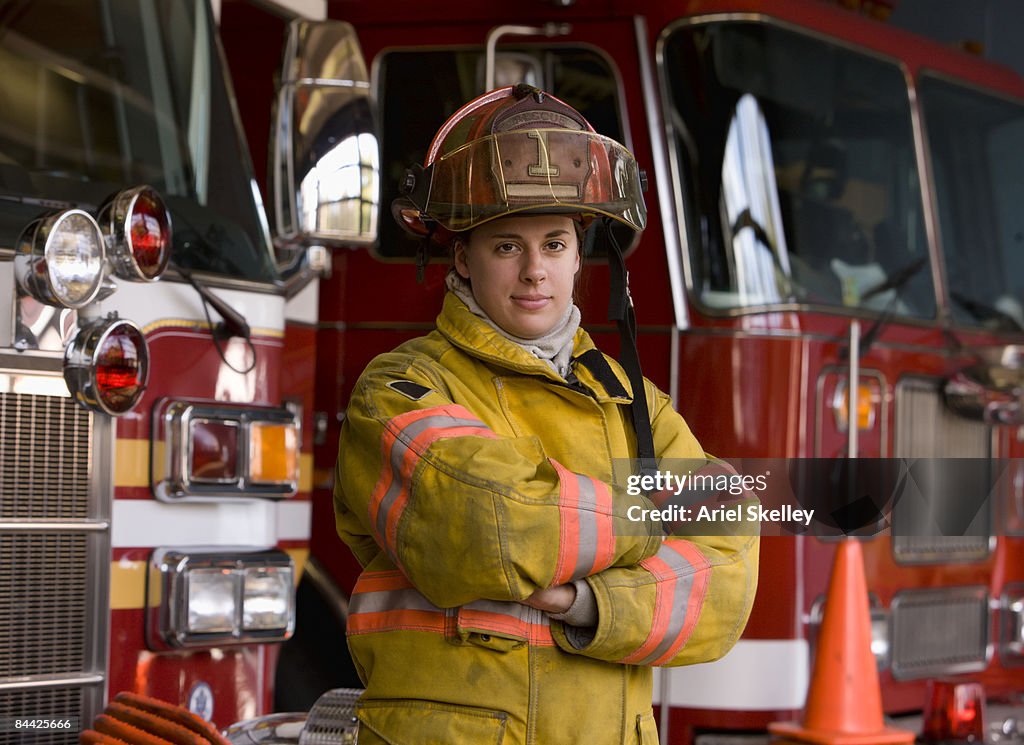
x,y
30,262
167,603
171,436
934,599
81,363
1011,625
22,363
51,681
36,526
115,220
298,122
929,197
821,410
671,214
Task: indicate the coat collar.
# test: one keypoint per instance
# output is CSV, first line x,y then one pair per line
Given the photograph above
x,y
478,339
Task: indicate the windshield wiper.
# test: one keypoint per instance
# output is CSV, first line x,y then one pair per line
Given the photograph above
x,y
232,322
983,312
897,279
895,282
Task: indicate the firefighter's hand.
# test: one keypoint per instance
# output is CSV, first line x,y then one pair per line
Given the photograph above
x,y
555,599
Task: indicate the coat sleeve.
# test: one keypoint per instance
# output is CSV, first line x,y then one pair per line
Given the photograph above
x,y
464,513
690,601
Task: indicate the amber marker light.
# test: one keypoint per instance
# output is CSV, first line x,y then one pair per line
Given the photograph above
x,y
273,453
867,404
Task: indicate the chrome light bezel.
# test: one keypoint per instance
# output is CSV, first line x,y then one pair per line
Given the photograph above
x,y
172,451
115,217
1011,625
81,359
34,265
167,597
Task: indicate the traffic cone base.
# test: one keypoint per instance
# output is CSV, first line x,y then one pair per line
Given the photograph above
x,y
844,700
796,731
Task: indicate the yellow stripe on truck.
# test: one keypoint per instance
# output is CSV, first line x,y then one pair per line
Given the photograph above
x,y
128,584
131,464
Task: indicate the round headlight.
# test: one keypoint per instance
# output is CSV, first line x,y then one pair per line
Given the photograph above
x,y
139,226
60,259
107,364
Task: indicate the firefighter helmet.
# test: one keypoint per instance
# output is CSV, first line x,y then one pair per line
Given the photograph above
x,y
518,150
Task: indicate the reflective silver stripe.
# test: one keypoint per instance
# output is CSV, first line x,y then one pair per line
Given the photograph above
x,y
399,448
380,601
681,588
518,611
586,552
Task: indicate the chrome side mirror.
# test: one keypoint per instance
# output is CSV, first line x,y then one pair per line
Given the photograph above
x,y
325,162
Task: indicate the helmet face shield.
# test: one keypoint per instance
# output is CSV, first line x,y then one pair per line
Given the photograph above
x,y
558,171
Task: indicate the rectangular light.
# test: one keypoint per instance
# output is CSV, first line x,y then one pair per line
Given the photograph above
x,y
213,450
266,599
213,598
203,451
273,453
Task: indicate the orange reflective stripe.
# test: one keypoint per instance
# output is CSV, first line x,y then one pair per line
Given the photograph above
x,y
406,438
682,574
396,620
509,619
387,601
586,541
391,579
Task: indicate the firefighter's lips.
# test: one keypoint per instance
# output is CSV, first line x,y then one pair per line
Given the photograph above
x,y
531,302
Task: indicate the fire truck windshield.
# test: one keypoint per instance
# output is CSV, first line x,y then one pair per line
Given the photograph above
x,y
800,182
99,96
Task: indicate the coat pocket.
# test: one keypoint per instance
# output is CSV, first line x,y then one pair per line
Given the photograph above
x,y
646,729
414,722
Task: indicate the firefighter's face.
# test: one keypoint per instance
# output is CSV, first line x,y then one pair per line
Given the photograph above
x,y
522,271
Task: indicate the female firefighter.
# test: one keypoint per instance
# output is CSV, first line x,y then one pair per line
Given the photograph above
x,y
506,595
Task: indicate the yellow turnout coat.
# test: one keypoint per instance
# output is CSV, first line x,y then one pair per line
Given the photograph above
x,y
470,474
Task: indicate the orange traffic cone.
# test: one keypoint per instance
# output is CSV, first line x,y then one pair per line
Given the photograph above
x,y
844,703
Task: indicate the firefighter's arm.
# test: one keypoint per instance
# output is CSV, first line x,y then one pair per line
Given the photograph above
x,y
688,603
467,514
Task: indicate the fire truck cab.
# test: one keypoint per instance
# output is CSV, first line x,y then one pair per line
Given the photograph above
x,y
820,184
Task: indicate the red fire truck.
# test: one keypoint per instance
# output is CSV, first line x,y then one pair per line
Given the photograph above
x,y
809,169
156,436
812,171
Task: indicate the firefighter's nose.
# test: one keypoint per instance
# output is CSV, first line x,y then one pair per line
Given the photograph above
x,y
533,270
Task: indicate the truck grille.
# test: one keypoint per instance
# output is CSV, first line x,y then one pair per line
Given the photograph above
x,y
54,563
939,632
925,428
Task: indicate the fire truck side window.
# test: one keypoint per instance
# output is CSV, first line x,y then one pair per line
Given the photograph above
x,y
977,147
799,179
419,90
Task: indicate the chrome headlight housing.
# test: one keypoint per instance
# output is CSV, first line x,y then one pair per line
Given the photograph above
x,y
208,598
59,259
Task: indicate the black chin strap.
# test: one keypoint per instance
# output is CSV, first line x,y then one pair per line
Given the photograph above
x,y
620,310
